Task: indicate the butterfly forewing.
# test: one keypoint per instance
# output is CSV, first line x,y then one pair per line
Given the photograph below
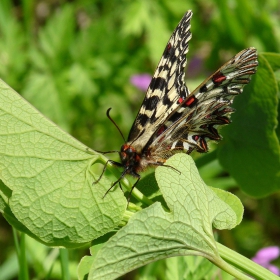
x,y
166,88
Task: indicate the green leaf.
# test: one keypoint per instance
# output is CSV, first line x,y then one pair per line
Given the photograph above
x,y
148,186
84,267
231,24
273,59
12,45
250,151
136,17
56,36
50,101
232,201
49,176
154,234
11,219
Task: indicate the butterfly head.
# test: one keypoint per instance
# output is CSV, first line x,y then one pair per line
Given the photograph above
x,y
130,158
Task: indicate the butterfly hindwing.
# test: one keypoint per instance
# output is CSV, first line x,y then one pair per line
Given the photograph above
x,y
206,107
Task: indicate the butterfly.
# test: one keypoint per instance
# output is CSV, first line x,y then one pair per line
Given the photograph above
x,y
172,119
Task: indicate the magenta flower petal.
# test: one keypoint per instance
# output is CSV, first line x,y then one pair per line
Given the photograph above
x,y
274,269
262,262
265,255
268,253
141,81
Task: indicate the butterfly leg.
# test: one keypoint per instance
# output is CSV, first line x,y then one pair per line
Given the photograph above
x,y
105,167
118,181
169,166
121,187
138,178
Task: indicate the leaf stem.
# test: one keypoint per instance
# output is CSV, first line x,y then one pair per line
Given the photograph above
x,y
141,197
64,261
244,264
21,255
231,269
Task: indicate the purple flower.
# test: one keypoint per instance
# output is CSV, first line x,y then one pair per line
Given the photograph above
x,y
195,66
265,255
141,81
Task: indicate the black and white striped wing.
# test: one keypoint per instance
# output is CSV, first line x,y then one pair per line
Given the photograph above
x,y
166,88
195,120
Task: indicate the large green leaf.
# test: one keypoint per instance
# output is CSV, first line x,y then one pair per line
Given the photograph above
x,y
273,59
250,151
153,233
49,186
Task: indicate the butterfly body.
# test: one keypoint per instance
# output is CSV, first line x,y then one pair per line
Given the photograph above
x,y
135,162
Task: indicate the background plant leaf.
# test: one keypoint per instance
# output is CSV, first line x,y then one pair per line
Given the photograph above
x,y
250,151
48,174
153,233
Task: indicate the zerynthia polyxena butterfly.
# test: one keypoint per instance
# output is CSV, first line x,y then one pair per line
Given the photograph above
x,y
173,120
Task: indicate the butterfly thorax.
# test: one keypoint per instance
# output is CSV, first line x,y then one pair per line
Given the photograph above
x,y
135,161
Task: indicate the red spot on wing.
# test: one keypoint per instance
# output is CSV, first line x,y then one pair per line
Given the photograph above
x,y
189,117
223,119
161,130
180,100
195,137
161,139
190,101
218,78
168,47
203,144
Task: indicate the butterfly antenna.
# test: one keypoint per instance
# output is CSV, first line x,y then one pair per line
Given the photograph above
x,y
108,115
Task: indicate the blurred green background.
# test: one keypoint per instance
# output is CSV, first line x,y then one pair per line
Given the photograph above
x,y
74,59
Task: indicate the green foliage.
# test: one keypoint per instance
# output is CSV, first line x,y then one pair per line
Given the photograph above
x,y
253,145
48,174
153,233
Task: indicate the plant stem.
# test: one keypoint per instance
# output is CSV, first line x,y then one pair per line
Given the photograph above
x,y
141,197
231,270
246,265
21,255
64,264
